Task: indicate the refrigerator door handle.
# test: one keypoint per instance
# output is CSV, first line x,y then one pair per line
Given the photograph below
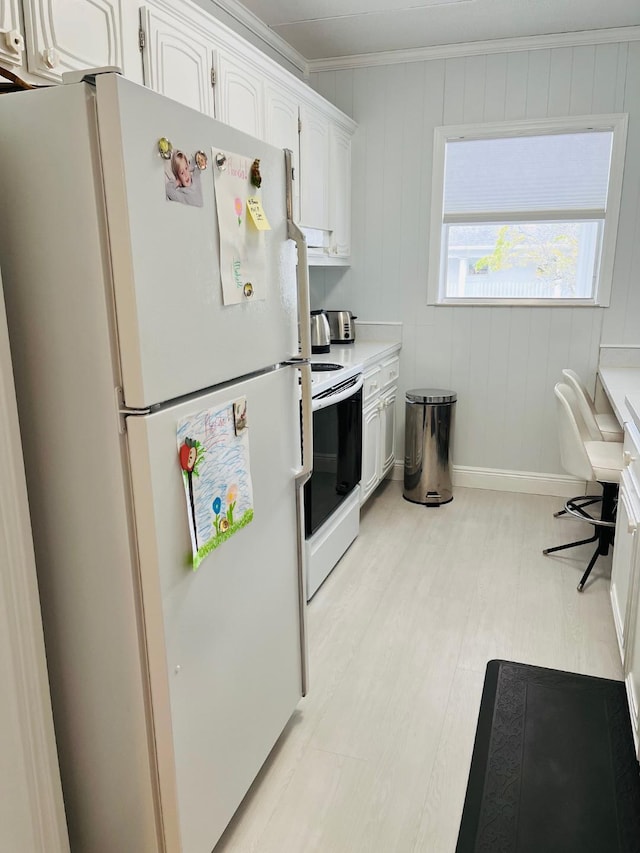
x,y
304,325
307,426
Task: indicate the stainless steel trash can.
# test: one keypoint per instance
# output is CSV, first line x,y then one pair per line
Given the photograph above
x,y
429,419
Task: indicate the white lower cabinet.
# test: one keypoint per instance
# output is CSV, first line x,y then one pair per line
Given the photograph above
x,y
387,430
371,432
624,554
625,575
378,424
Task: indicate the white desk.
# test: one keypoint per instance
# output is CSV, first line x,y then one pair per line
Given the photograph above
x,y
619,383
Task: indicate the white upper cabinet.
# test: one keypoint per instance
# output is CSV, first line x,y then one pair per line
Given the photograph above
x,y
68,35
281,130
178,61
340,192
11,39
179,50
314,168
240,94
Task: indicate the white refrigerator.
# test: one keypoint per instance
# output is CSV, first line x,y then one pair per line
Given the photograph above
x,y
169,686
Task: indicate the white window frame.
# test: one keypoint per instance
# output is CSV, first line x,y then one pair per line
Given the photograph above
x,y
616,122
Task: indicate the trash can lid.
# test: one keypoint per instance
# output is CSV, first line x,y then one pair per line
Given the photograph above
x,y
431,395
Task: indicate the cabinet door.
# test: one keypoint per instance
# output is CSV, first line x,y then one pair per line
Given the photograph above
x,y
622,565
68,35
626,556
239,95
388,428
340,192
177,61
314,168
281,130
371,425
11,40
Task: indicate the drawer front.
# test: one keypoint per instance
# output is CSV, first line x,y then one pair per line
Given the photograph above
x,y
372,384
390,371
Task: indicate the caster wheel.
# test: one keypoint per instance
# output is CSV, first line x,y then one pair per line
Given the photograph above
x,y
579,587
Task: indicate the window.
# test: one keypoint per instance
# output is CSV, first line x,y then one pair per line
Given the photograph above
x,y
527,212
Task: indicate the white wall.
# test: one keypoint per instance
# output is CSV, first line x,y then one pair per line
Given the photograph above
x,y
503,362
32,816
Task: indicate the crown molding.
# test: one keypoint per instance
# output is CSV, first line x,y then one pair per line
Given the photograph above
x,y
243,16
475,48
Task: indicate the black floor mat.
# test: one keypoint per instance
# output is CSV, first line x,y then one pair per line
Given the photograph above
x,y
553,767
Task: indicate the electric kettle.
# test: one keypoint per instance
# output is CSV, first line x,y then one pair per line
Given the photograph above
x,y
320,334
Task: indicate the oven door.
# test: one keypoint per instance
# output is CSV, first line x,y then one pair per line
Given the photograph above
x,y
337,457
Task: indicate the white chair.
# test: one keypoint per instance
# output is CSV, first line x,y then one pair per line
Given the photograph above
x,y
605,420
591,460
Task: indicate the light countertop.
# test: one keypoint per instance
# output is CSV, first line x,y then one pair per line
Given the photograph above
x,y
359,352
622,387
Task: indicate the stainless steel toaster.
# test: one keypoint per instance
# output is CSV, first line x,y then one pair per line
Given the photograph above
x,y
342,327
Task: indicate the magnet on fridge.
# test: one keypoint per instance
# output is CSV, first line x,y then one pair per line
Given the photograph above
x,y
239,423
248,289
256,177
201,160
165,148
221,161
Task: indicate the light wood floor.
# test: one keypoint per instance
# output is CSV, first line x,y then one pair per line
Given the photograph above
x,y
376,757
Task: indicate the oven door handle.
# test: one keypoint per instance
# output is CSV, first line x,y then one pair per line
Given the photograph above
x,y
324,402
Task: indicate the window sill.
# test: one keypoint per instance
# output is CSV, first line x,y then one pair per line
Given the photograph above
x,y
518,303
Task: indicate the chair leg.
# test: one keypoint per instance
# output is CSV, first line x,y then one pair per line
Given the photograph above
x,y
592,563
603,534
570,545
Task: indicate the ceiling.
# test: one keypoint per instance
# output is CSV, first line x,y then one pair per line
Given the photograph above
x,y
321,29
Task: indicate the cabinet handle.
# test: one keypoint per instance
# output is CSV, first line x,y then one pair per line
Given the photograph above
x,y
632,524
50,57
628,457
14,41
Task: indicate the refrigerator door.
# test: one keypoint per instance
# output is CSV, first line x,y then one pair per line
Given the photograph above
x,y
223,642
175,334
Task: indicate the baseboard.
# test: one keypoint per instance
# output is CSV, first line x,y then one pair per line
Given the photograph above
x,y
527,482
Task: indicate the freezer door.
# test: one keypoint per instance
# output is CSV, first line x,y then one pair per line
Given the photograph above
x,y
223,642
175,334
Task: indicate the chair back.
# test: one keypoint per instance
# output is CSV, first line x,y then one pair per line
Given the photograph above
x,y
572,433
585,403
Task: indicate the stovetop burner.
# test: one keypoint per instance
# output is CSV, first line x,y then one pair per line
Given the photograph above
x,y
324,366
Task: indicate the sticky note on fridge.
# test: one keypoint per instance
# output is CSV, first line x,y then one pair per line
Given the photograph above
x,y
254,206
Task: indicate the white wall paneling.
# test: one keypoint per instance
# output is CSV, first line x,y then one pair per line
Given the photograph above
x,y
502,361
